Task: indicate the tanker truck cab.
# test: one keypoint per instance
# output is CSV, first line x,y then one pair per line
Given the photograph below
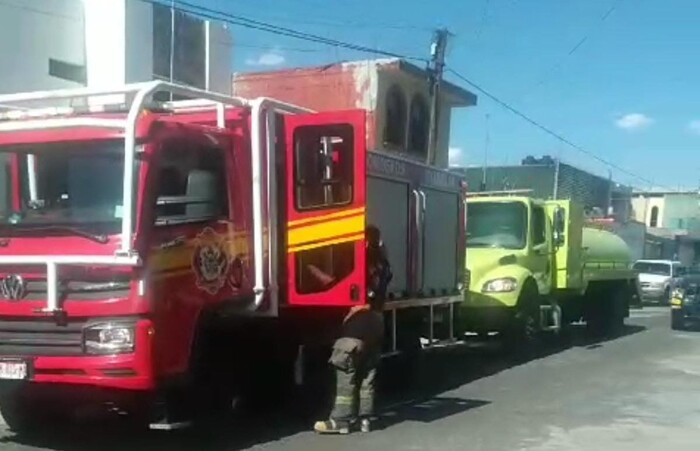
x,y
510,242
535,267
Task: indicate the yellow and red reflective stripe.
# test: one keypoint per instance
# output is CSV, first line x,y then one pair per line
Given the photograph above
x,y
315,244
323,218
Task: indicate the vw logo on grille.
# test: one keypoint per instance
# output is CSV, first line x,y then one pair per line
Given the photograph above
x,y
12,287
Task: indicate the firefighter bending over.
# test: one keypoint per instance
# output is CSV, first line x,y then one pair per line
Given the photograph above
x,y
357,352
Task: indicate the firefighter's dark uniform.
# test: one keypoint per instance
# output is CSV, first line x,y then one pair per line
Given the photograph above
x,y
357,352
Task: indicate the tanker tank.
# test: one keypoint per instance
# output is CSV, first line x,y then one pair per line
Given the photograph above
x,y
604,249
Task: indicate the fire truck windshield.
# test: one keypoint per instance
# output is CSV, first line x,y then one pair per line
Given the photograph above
x,y
62,185
497,224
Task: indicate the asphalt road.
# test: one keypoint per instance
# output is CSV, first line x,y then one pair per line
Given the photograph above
x,y
638,391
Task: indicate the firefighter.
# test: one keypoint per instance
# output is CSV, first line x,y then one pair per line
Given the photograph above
x,y
357,352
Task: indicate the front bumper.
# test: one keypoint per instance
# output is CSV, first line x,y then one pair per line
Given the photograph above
x,y
486,319
133,371
652,292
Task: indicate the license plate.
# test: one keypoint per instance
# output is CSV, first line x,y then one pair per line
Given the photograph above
x,y
15,371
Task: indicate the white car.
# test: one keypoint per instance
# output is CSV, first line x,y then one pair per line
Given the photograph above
x,y
657,277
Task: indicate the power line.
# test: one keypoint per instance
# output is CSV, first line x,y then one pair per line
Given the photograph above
x,y
209,13
484,19
232,19
546,129
575,48
277,48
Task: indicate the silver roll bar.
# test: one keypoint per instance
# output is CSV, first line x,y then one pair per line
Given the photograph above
x,y
263,112
268,107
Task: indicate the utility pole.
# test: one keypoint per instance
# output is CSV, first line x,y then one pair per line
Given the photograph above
x,y
435,70
487,141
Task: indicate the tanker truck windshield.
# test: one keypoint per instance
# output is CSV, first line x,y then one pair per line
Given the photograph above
x,y
74,186
497,225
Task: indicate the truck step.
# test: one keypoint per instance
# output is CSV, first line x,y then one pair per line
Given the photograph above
x,y
166,426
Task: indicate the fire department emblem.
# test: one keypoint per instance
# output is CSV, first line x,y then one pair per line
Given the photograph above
x,y
211,261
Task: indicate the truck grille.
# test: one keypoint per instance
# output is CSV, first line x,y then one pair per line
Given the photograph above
x,y
40,337
78,290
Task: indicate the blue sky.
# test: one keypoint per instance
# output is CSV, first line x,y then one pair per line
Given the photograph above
x,y
617,77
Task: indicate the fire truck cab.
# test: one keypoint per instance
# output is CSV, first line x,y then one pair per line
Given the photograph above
x,y
150,249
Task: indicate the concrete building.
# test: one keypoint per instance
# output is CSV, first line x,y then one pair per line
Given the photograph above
x,y
52,44
549,179
394,93
673,223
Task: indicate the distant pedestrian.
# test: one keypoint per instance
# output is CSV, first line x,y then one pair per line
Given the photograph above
x,y
357,352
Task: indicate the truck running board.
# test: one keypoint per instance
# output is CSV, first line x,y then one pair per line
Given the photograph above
x,y
547,312
164,426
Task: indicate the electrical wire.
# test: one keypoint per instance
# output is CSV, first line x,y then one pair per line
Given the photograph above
x,y
548,130
232,19
556,66
213,14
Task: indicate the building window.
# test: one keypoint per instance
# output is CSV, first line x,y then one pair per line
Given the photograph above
x,y
418,126
323,166
395,126
68,71
191,184
654,220
188,55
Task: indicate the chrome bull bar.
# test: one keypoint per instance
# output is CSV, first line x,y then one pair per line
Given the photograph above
x,y
52,263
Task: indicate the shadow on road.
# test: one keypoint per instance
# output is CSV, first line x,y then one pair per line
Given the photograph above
x,y
238,434
452,368
409,393
427,410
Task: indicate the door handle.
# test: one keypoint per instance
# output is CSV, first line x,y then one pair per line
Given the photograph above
x,y
176,242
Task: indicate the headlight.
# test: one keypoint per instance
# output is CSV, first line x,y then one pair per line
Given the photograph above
x,y
678,293
503,285
109,338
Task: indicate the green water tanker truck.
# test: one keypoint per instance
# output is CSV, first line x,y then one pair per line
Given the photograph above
x,y
535,267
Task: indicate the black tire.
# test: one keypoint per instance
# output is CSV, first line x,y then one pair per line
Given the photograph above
x,y
607,309
677,321
523,330
20,415
617,312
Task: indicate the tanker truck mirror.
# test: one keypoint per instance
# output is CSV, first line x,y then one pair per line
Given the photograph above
x,y
559,224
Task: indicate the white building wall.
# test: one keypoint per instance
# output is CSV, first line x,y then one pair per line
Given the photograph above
x,y
32,32
112,39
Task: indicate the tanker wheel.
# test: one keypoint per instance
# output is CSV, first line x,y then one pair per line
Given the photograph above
x,y
523,330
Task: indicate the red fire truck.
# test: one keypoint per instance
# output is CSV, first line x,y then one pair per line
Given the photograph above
x,y
159,252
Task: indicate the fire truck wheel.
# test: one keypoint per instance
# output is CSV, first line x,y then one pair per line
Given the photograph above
x,y
19,415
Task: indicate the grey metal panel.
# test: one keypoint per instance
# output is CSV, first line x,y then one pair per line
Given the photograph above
x,y
387,208
441,241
